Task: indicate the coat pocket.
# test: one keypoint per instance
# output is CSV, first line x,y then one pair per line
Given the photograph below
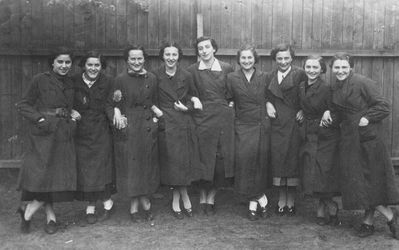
x,y
367,133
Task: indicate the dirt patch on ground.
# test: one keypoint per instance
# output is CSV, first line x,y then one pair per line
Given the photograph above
x,y
228,229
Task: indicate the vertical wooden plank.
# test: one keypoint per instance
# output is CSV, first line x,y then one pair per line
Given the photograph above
x,y
121,23
368,28
389,31
79,24
379,15
336,28
327,24
153,23
68,25
206,11
317,24
236,25
215,28
142,18
15,23
174,19
395,110
367,66
90,26
48,25
358,24
57,19
246,17
26,23
267,24
187,17
287,21
132,35
111,26
164,25
387,90
99,41
307,24
38,32
348,25
226,24
256,23
395,9
298,14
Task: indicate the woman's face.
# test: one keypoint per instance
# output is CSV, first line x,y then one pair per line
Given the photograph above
x,y
62,64
312,69
283,60
135,60
206,50
171,56
341,69
92,68
247,60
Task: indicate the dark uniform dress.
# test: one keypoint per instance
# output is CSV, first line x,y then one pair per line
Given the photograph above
x,y
319,151
285,136
93,140
215,123
252,132
366,175
136,146
49,170
178,143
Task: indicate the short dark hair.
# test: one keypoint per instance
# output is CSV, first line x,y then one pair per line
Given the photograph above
x,y
282,47
343,56
319,59
133,47
54,53
93,54
249,47
205,38
170,44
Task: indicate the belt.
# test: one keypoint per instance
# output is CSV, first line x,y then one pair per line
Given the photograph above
x,y
58,112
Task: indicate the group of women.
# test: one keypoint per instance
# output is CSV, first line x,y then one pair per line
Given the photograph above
x,y
206,125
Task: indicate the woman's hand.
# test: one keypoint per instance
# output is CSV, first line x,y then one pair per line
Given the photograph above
x,y
196,103
299,116
231,104
271,111
326,120
180,106
156,111
119,120
75,115
363,122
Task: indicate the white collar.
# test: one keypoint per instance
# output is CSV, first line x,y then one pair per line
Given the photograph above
x,y
88,82
284,74
215,66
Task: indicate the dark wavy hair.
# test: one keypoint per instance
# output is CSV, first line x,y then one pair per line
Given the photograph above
x,y
205,38
248,47
343,56
134,47
320,59
93,54
54,53
170,44
282,47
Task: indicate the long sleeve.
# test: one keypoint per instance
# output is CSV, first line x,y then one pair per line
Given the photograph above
x,y
379,107
26,107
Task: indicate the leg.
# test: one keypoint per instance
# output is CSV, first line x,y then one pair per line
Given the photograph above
x,y
210,200
109,209
282,200
321,215
262,201
202,200
51,226
252,210
291,199
367,228
146,204
392,219
91,217
186,201
134,209
176,204
32,208
333,210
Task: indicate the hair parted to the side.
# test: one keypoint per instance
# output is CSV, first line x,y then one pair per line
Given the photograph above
x,y
57,52
93,54
170,44
249,47
282,47
343,56
134,47
320,59
205,38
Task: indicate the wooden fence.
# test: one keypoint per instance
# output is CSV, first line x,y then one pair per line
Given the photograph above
x,y
368,29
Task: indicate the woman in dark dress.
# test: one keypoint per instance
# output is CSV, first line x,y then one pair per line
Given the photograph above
x,y
178,143
366,177
48,173
93,140
252,131
215,123
319,151
282,95
136,137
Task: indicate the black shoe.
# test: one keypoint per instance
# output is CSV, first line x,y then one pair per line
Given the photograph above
x,y
252,216
91,218
334,220
393,226
210,209
188,212
148,215
290,211
107,213
25,224
178,214
365,230
135,217
322,221
51,227
262,212
280,210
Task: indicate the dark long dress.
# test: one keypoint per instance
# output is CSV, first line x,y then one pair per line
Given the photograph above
x,y
285,137
215,123
93,140
367,175
178,143
319,151
252,132
136,147
49,169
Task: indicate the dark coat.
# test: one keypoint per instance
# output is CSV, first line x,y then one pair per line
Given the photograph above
x,y
319,151
178,143
93,139
136,147
252,132
285,137
215,123
367,176
50,163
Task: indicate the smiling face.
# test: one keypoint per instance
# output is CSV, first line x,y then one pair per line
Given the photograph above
x,y
92,68
312,69
206,50
341,69
135,60
62,64
283,60
171,57
247,60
